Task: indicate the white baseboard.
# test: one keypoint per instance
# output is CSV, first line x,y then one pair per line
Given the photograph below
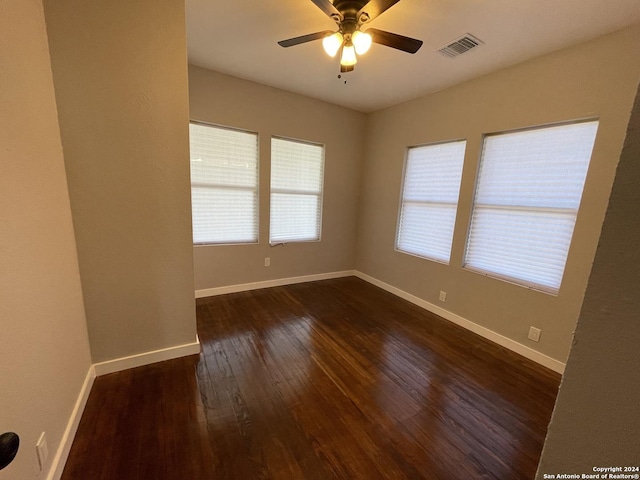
x,y
119,364
495,337
243,287
103,368
124,363
59,461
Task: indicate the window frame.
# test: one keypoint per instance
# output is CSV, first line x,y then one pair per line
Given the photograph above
x,y
257,187
514,280
401,201
320,195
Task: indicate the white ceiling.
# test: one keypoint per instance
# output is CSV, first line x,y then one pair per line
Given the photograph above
x,y
239,38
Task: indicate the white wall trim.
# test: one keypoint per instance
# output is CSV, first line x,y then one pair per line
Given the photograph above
x,y
60,459
119,364
103,368
124,363
495,337
278,282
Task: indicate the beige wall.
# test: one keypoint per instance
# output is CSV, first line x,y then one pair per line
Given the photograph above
x,y
120,74
224,100
595,79
596,420
44,349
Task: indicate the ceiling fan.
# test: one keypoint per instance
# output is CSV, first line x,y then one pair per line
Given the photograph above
x,y
350,39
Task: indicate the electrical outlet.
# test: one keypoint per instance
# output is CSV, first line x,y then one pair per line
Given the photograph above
x,y
267,261
42,449
443,296
534,334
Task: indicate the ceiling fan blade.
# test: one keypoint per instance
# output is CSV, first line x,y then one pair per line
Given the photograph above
x,y
327,7
346,68
375,8
393,40
290,42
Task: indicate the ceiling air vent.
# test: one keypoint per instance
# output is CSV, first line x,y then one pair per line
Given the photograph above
x,y
460,45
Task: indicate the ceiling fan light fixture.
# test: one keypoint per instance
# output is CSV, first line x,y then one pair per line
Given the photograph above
x,y
349,40
332,43
348,56
361,41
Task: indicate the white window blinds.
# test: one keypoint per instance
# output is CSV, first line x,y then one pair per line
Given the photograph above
x,y
430,199
527,197
224,185
296,191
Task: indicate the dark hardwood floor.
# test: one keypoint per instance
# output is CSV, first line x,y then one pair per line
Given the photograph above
x,y
322,380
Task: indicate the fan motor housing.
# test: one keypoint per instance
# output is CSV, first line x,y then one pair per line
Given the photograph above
x,y
349,8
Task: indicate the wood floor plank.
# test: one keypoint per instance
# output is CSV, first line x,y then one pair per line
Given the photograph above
x,y
325,380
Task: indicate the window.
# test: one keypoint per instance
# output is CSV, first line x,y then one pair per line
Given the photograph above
x,y
224,185
430,199
527,197
296,191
